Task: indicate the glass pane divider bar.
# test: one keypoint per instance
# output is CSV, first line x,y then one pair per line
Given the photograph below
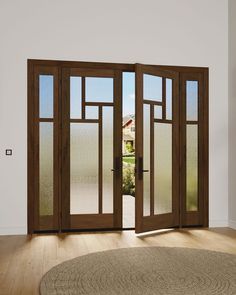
x,y
100,165
46,120
164,98
83,97
163,121
192,122
89,103
84,121
152,160
152,102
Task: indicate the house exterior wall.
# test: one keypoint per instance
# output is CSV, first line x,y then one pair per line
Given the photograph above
x,y
171,32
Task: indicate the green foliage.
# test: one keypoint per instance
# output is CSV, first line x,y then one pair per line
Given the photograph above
x,y
129,159
129,147
128,180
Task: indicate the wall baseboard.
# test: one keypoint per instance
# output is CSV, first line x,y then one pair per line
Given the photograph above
x,y
232,224
21,230
18,230
218,223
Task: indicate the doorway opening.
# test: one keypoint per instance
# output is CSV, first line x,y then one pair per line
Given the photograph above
x,y
128,149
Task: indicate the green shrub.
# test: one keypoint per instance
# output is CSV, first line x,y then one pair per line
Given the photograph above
x,y
129,147
128,180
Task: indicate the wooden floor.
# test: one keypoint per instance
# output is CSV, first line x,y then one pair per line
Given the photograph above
x,y
24,259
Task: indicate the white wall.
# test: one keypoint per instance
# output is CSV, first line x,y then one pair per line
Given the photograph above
x,y
232,113
175,32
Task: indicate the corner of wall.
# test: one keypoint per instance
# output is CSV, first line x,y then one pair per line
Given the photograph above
x,y
18,230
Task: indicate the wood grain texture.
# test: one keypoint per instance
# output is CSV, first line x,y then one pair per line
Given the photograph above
x,y
25,259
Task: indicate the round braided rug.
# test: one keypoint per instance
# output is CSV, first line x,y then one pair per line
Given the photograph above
x,y
144,271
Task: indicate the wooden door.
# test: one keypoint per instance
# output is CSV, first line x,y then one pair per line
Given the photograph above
x,y
157,148
91,149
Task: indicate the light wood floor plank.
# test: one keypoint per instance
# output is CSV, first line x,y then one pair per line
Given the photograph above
x,y
25,259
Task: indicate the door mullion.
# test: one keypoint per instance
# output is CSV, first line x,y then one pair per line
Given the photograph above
x,y
100,157
151,159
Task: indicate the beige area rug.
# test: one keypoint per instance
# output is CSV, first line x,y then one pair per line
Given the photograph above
x,y
144,271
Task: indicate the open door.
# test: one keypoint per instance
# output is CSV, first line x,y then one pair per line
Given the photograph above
x,y
157,149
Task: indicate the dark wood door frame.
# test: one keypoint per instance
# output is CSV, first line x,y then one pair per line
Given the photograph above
x,y
55,65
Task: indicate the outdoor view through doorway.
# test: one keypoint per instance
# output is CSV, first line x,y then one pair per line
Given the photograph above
x,y
128,150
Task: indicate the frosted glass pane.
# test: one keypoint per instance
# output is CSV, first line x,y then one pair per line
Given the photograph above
x,y
152,87
46,168
192,168
192,100
168,99
162,168
83,168
75,97
46,96
158,112
107,128
146,160
91,112
99,89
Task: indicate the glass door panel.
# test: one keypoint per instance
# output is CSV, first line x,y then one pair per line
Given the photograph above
x,y
157,145
92,186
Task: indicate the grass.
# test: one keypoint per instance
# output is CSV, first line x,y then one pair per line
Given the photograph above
x,y
129,159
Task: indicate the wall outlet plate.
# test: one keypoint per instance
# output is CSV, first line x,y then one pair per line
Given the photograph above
x,y
8,152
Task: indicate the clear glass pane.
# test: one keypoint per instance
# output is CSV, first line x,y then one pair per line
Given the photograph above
x,y
146,160
99,89
128,89
91,112
162,168
158,112
192,168
83,168
152,87
192,100
168,99
107,175
46,168
75,97
46,96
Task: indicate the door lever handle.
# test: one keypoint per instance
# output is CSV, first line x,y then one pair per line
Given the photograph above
x,y
145,170
116,165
